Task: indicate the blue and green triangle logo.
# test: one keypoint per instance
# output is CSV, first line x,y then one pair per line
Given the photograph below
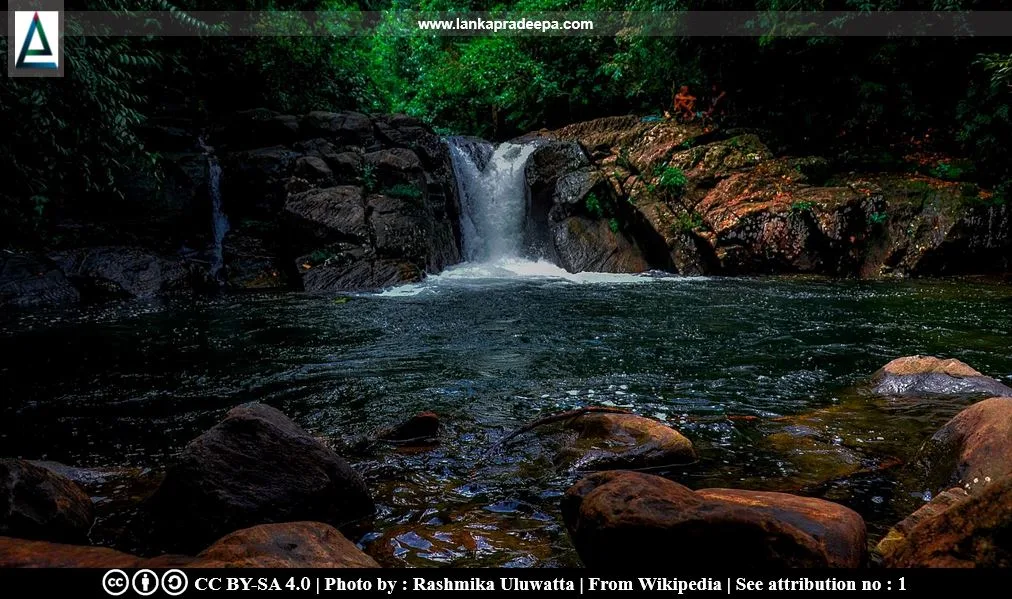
x,y
26,50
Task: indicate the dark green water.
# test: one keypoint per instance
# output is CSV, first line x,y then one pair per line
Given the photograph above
x,y
763,375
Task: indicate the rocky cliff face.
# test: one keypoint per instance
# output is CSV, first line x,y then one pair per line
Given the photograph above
x,y
336,201
321,202
678,198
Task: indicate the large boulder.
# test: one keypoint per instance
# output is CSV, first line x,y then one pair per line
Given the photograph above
x,y
22,553
36,503
327,215
258,127
344,127
254,467
254,181
124,271
284,545
357,270
931,375
27,281
605,441
620,519
955,531
973,449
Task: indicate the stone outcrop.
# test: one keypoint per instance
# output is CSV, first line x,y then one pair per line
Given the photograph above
x,y
626,519
254,467
36,503
721,202
28,281
955,530
283,545
353,202
114,271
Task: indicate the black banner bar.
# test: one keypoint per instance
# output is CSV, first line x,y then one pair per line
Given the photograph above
x,y
132,583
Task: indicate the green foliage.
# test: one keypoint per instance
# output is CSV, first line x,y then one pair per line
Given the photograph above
x,y
877,218
320,257
672,179
404,191
593,205
802,206
613,225
949,171
686,222
623,160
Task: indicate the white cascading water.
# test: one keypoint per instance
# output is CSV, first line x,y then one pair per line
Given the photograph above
x,y
219,221
493,198
492,187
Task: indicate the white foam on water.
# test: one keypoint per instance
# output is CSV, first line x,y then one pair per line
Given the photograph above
x,y
516,270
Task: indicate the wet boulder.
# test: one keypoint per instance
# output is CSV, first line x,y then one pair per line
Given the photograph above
x,y
604,441
315,170
343,127
357,270
955,530
254,467
36,503
593,245
974,449
284,545
420,428
124,271
624,520
936,376
258,127
22,553
326,215
27,281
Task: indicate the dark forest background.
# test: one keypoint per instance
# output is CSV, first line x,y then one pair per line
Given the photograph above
x,y
68,141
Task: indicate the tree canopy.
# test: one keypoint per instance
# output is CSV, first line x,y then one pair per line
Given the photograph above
x,y
68,138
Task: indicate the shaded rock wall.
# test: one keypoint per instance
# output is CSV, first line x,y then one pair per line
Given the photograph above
x,y
340,201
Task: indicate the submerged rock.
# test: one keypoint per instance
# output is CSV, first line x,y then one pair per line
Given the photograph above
x,y
36,503
607,441
254,467
284,545
628,519
955,531
420,428
928,374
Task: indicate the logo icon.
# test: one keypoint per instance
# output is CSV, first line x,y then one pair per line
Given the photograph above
x,y
174,582
144,582
115,582
35,44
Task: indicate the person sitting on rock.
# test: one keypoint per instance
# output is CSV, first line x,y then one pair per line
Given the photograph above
x,y
684,104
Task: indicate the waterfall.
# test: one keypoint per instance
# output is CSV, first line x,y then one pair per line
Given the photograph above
x,y
219,221
493,197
